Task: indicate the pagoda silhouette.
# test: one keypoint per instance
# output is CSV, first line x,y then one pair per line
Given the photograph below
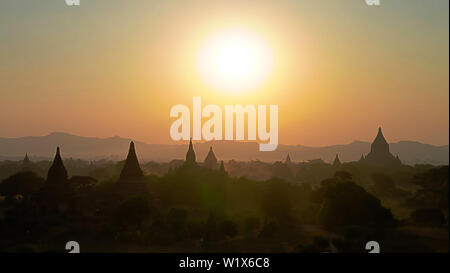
x,y
131,171
56,195
131,180
288,160
26,165
336,162
26,160
379,153
190,155
222,167
210,160
57,172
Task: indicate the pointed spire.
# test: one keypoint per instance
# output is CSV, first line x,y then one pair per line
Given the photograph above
x,y
210,160
362,157
26,164
222,167
380,137
190,155
336,162
57,172
131,169
379,144
26,160
288,159
379,152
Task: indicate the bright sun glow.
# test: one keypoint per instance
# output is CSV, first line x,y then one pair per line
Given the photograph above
x,y
235,60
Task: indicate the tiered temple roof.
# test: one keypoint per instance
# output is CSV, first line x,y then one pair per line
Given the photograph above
x,y
379,153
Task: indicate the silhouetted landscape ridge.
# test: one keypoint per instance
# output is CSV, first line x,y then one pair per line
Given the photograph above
x,y
40,147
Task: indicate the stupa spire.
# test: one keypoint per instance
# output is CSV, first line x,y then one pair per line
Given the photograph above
x,y
131,170
210,160
288,159
57,172
190,155
361,158
336,162
26,160
379,144
222,167
379,152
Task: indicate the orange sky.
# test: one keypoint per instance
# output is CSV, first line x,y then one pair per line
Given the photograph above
x,y
339,70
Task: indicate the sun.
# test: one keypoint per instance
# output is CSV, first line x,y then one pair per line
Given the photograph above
x,y
235,60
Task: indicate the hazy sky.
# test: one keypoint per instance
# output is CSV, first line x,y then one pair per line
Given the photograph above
x,y
113,67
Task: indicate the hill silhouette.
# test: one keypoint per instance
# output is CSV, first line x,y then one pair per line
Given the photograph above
x,y
115,148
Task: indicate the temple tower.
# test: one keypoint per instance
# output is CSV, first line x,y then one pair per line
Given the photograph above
x,y
26,164
190,155
336,162
379,144
210,160
288,161
131,170
379,153
222,167
26,160
57,172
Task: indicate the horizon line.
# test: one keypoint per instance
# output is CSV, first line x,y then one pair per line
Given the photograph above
x,y
182,142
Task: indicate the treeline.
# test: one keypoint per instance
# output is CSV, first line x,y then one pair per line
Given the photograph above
x,y
198,209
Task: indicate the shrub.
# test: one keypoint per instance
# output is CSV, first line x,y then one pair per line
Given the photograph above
x,y
345,204
228,228
428,216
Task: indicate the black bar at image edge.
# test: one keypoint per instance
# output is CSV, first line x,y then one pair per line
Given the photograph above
x,y
235,262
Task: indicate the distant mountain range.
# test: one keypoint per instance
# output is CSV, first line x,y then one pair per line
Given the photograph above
x,y
116,148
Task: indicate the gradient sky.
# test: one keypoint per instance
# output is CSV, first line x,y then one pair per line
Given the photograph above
x,y
116,67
